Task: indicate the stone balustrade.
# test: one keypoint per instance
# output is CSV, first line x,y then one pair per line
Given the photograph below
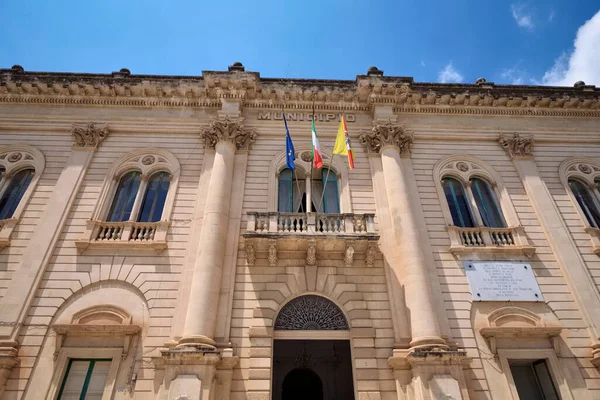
x,y
280,223
485,239
127,234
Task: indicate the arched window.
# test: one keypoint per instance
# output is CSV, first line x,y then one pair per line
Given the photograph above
x,y
487,204
155,197
124,198
587,201
14,191
324,192
457,202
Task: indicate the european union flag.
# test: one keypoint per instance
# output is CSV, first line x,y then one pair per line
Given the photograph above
x,y
290,154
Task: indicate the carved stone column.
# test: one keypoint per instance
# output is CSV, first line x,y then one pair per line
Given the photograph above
x,y
520,149
21,290
392,142
225,136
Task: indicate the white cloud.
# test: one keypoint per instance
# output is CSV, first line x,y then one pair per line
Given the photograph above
x,y
551,16
583,64
513,75
422,63
523,19
449,74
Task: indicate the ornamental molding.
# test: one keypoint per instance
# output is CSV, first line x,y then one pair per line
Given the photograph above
x,y
208,90
88,136
311,313
517,146
230,130
387,134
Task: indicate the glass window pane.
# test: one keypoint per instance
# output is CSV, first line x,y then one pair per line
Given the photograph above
x,y
127,189
11,198
488,205
586,202
74,380
457,202
155,197
545,380
331,199
526,382
285,201
97,381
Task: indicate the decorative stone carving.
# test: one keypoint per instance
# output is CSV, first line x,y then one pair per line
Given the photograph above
x,y
387,134
311,252
311,313
370,254
14,157
306,156
251,253
88,136
462,166
585,168
229,130
272,253
516,145
148,160
349,254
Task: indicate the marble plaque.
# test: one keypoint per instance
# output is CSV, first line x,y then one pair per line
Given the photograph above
x,y
502,281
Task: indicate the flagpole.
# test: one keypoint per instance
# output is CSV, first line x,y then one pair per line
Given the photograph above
x,y
312,162
294,170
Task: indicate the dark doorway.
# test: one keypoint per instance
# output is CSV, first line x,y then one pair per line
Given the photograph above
x,y
302,384
312,369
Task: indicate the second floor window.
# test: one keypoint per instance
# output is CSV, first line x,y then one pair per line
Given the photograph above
x,y
587,201
13,190
139,200
478,198
294,196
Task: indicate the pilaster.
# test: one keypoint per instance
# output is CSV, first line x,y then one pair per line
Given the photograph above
x,y
393,142
21,291
520,149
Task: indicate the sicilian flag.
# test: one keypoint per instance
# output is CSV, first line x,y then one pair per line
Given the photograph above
x,y
342,143
316,149
290,154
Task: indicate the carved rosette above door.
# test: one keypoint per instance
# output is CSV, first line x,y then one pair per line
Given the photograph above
x,y
387,134
228,130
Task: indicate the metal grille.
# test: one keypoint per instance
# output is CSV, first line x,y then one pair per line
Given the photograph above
x,y
311,313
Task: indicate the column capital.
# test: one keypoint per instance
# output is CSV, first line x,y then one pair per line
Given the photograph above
x,y
387,134
229,130
517,146
88,137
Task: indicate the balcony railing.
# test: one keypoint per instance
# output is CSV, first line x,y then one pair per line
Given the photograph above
x,y
6,228
310,223
126,234
483,238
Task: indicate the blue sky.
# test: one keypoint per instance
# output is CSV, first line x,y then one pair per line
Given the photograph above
x,y
528,42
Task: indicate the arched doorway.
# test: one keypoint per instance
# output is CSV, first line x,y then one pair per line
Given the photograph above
x,y
302,384
311,351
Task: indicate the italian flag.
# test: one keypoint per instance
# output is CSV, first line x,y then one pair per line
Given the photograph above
x,y
316,149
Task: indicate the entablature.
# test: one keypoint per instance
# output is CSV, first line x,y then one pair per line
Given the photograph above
x,y
363,93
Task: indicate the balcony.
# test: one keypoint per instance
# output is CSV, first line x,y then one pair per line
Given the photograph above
x,y
489,240
128,234
267,233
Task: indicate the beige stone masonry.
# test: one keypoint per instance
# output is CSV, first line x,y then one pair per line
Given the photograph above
x,y
19,295
520,149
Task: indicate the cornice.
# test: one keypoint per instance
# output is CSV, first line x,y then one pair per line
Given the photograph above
x,y
362,94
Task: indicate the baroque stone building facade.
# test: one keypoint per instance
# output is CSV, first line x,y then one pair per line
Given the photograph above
x,y
154,245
